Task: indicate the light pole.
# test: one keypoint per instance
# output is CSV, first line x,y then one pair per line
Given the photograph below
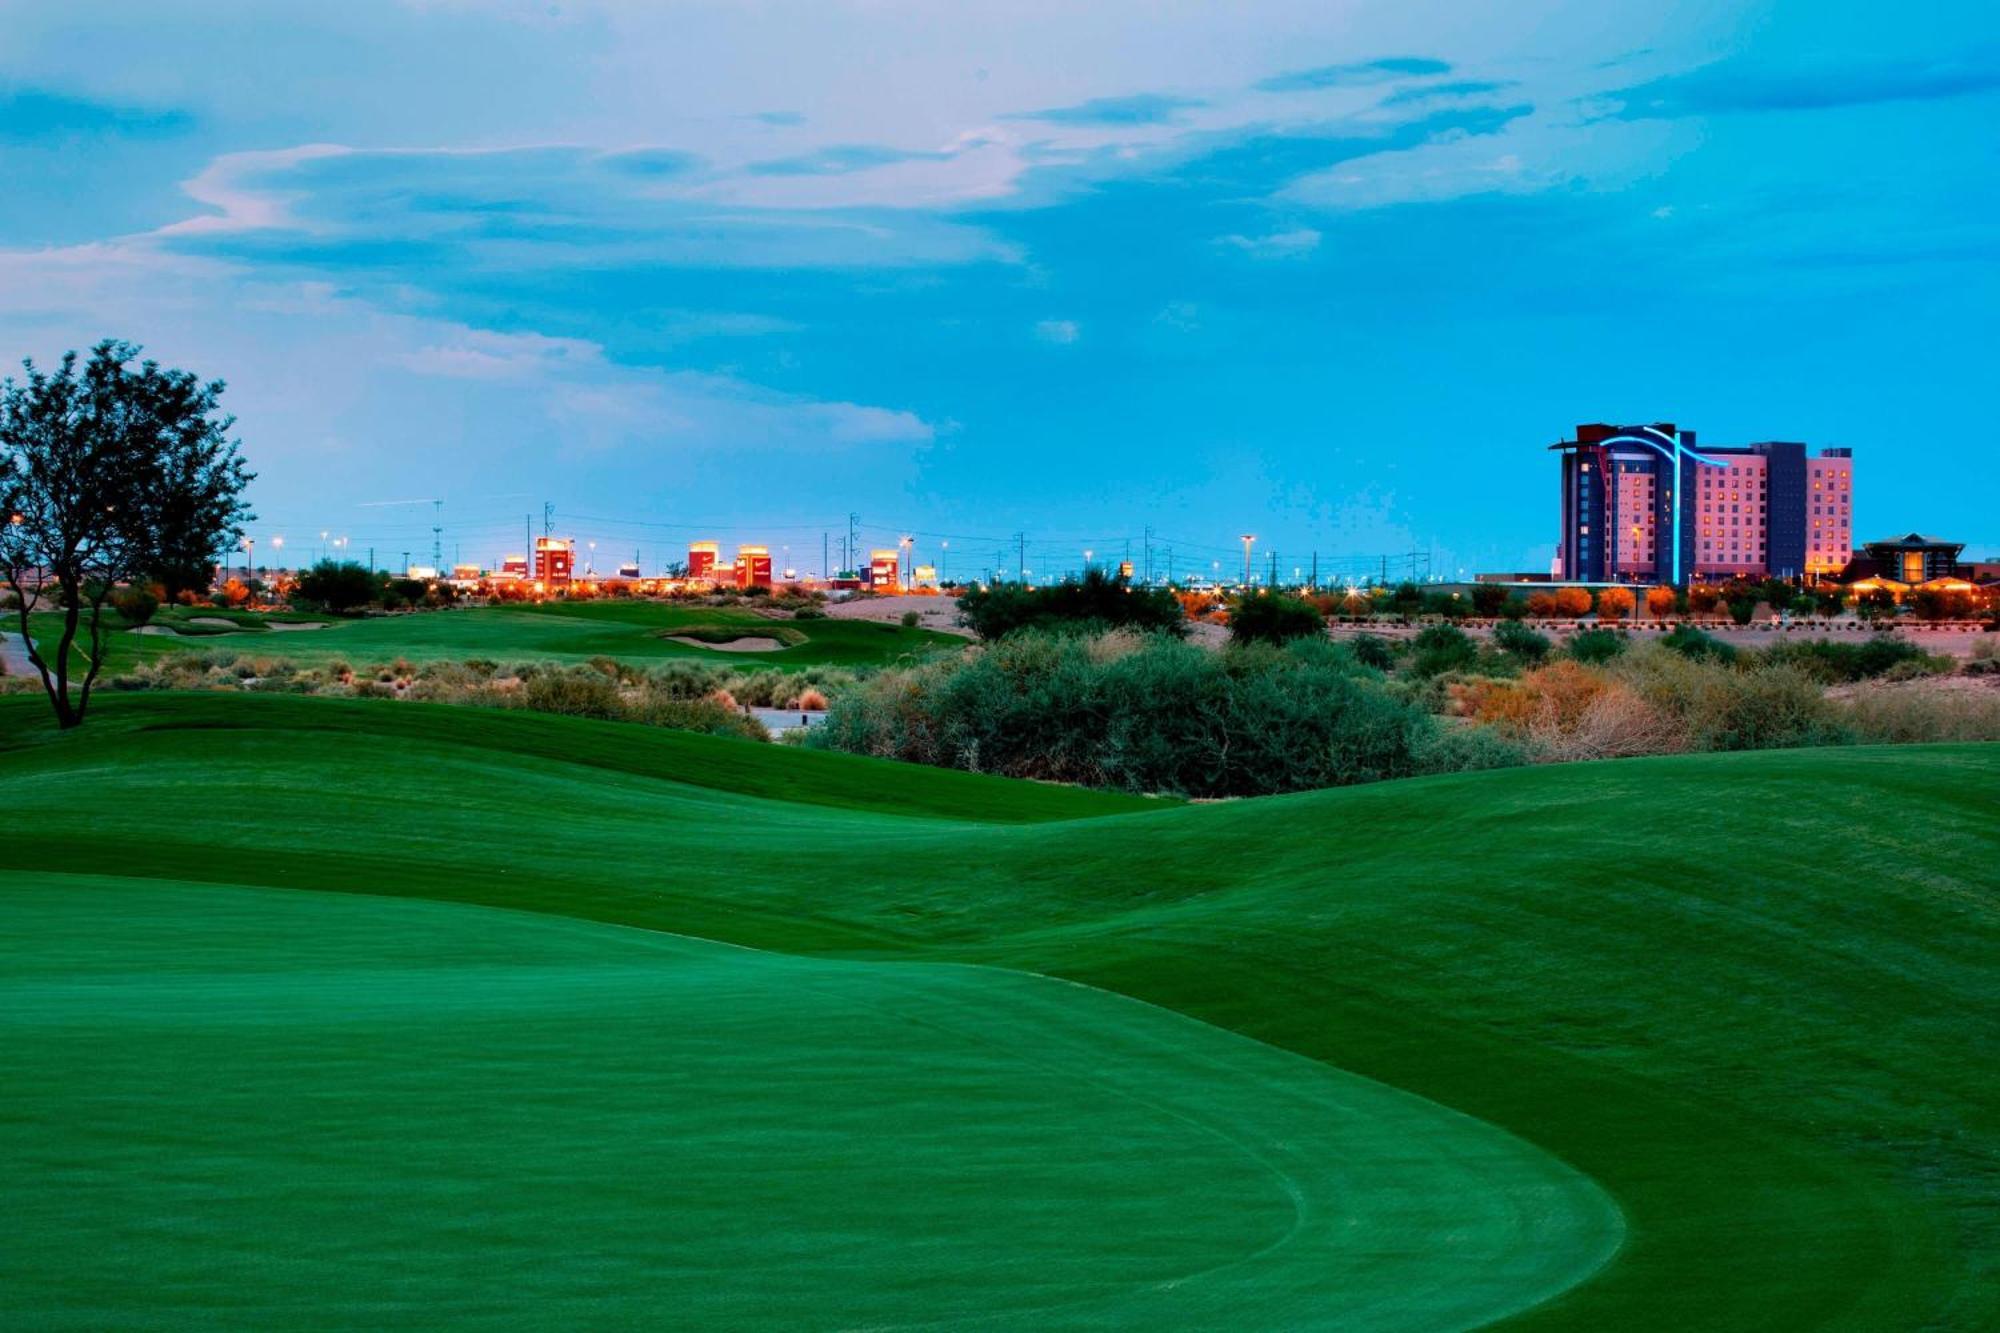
x,y
908,545
278,554
944,549
590,561
1249,540
1086,562
321,554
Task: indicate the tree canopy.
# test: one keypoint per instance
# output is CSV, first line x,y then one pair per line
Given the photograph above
x,y
107,472
1096,601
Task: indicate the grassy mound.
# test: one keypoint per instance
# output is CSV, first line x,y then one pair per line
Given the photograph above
x,y
1741,993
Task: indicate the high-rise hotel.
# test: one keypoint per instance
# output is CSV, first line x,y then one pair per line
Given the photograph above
x,y
1643,504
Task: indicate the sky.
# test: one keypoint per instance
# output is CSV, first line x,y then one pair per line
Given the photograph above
x,y
1332,272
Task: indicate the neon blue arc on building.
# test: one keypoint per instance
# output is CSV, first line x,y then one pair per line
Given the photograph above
x,y
1671,448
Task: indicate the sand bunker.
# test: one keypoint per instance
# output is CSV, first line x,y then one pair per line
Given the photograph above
x,y
747,645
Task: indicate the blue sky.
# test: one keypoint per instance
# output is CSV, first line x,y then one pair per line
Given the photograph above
x,y
1329,272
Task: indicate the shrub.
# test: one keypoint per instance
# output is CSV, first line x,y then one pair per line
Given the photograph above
x,y
1144,713
1274,618
1570,603
1835,663
1614,603
1373,651
1489,599
1442,648
339,586
1691,642
1661,602
135,605
1517,640
576,693
1097,601
1597,645
909,620
1902,716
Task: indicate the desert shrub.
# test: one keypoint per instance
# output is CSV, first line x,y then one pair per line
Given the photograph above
x,y
1716,706
1833,662
810,700
1691,642
1372,650
909,619
809,613
1441,648
704,715
1097,601
1274,618
1596,646
1147,713
135,605
1901,716
1466,747
575,693
1518,641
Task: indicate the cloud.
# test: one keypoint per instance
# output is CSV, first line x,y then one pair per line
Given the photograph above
x,y
1277,245
31,115
1433,92
1728,87
1361,72
1060,332
651,162
1137,109
549,207
839,159
780,119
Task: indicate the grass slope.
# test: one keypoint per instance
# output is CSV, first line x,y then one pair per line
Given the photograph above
x,y
1741,992
631,631
421,1097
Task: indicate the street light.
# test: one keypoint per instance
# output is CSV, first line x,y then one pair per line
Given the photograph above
x,y
909,558
943,577
1249,540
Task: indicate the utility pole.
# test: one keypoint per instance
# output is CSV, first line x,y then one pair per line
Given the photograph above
x,y
1272,581
825,547
1315,575
548,516
437,536
1021,556
853,553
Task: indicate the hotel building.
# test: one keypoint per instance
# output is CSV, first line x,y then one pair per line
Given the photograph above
x,y
1644,504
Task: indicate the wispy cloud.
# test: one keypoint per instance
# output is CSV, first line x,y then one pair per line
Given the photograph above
x,y
1060,332
31,115
1136,109
1743,87
839,159
1359,72
1275,245
1432,92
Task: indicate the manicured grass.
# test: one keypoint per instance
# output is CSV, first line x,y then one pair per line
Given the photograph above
x,y
1745,994
316,1110
631,631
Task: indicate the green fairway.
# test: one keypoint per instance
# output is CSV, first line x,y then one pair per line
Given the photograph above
x,y
631,631
412,1099
1746,997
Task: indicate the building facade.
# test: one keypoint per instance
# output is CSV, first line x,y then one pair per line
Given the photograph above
x,y
885,569
702,558
1646,504
753,566
555,559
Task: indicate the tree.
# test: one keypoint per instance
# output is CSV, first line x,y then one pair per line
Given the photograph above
x,y
339,586
1442,648
107,472
1488,599
1096,601
1518,640
1572,602
1614,603
1660,602
1703,600
1273,618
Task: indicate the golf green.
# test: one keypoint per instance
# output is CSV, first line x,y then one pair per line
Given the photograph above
x,y
292,1109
